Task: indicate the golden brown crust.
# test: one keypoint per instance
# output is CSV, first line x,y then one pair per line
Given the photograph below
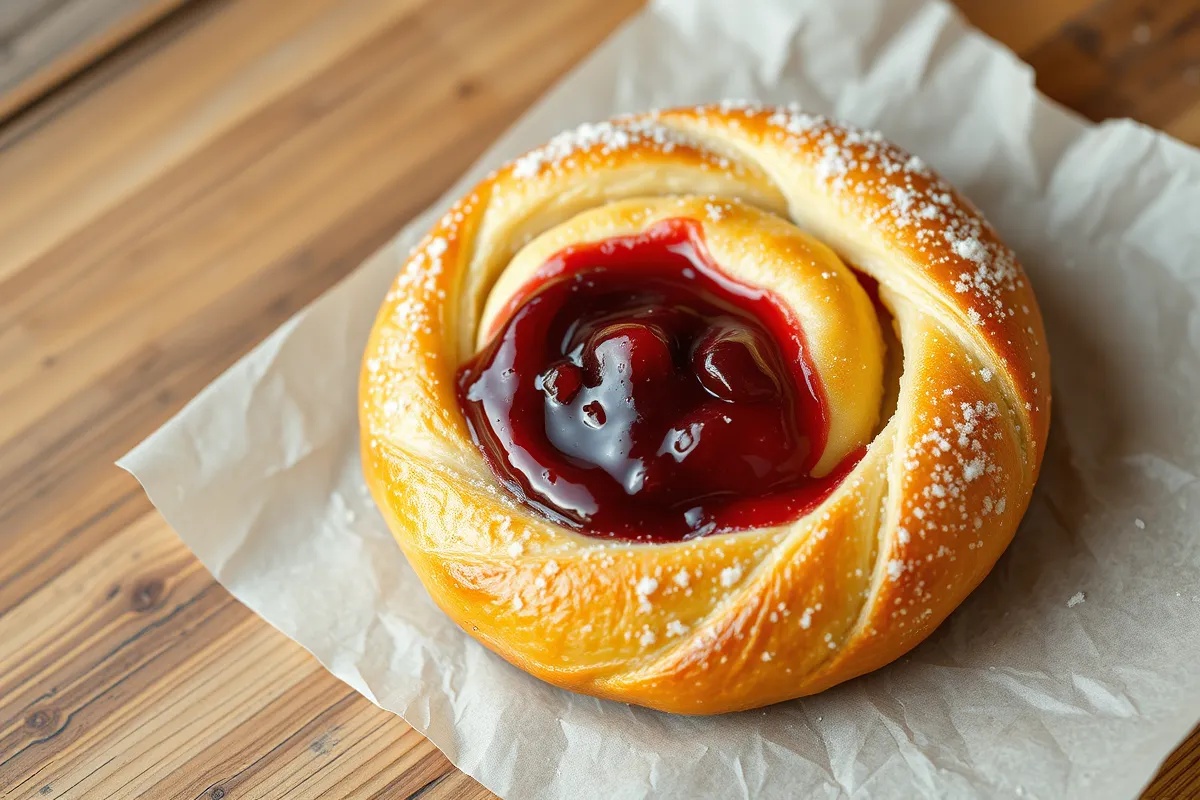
x,y
728,622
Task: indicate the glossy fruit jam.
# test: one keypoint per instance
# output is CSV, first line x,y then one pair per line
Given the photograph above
x,y
633,391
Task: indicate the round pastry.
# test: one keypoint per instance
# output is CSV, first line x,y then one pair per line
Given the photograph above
x,y
706,409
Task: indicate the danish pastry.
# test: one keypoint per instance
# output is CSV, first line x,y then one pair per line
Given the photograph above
x,y
706,409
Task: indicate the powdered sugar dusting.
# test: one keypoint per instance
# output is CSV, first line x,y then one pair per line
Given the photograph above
x,y
603,139
854,165
419,296
647,637
645,587
793,121
943,470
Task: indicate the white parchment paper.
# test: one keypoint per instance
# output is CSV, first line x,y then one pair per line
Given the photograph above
x,y
1071,672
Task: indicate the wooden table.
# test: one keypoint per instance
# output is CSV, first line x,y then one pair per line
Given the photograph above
x,y
166,207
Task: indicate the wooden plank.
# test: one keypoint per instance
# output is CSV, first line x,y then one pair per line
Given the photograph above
x,y
1116,58
43,42
201,173
1125,59
242,156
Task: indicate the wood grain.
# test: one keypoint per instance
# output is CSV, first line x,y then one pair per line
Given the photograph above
x,y
45,41
167,208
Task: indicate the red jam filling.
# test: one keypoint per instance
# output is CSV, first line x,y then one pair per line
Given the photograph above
x,y
633,391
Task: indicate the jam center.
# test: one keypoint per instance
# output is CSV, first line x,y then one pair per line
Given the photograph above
x,y
634,391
